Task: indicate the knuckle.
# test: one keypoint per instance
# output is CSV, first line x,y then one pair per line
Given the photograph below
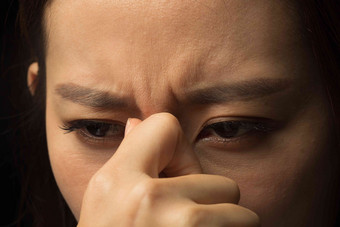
x,y
194,216
150,192
100,182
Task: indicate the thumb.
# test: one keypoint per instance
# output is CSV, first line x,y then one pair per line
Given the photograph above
x,y
154,145
130,124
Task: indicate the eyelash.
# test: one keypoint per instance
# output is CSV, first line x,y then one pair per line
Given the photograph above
x,y
83,128
233,131
219,132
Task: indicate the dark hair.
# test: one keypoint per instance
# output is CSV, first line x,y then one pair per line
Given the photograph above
x,y
41,202
41,198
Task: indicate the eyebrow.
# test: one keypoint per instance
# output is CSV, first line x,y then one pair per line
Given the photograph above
x,y
90,97
239,91
212,94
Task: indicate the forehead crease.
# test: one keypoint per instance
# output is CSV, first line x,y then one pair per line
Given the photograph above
x,y
165,38
127,17
166,21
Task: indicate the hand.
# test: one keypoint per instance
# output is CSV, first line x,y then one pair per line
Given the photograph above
x,y
127,190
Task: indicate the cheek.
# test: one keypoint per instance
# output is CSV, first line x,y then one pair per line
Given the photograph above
x,y
280,178
273,185
72,164
72,175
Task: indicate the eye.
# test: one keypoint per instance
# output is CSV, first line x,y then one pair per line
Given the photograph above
x,y
228,131
96,131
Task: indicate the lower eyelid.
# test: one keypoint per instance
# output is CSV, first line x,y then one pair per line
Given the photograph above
x,y
222,140
84,133
216,137
242,143
91,140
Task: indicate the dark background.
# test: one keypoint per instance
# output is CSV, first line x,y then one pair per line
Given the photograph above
x,y
10,66
12,72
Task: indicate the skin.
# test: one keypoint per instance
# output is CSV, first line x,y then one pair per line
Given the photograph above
x,y
154,53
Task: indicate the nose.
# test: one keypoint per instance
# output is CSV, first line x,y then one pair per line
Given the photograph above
x,y
157,101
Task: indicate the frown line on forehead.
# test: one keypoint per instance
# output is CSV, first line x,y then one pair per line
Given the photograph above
x,y
203,95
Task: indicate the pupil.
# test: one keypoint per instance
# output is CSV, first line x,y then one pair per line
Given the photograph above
x,y
226,129
98,130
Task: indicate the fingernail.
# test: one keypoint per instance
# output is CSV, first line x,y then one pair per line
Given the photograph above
x,y
127,127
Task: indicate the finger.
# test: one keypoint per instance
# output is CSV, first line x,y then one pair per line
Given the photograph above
x,y
221,215
130,124
203,188
153,145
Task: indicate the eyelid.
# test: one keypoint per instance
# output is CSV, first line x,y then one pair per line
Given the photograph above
x,y
237,119
95,140
78,126
257,127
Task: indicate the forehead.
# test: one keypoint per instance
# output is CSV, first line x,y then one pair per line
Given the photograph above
x,y
155,38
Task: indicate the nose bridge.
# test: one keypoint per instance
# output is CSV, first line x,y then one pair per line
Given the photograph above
x,y
160,78
156,96
153,87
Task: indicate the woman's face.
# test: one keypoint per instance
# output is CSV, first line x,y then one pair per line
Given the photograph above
x,y
205,62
